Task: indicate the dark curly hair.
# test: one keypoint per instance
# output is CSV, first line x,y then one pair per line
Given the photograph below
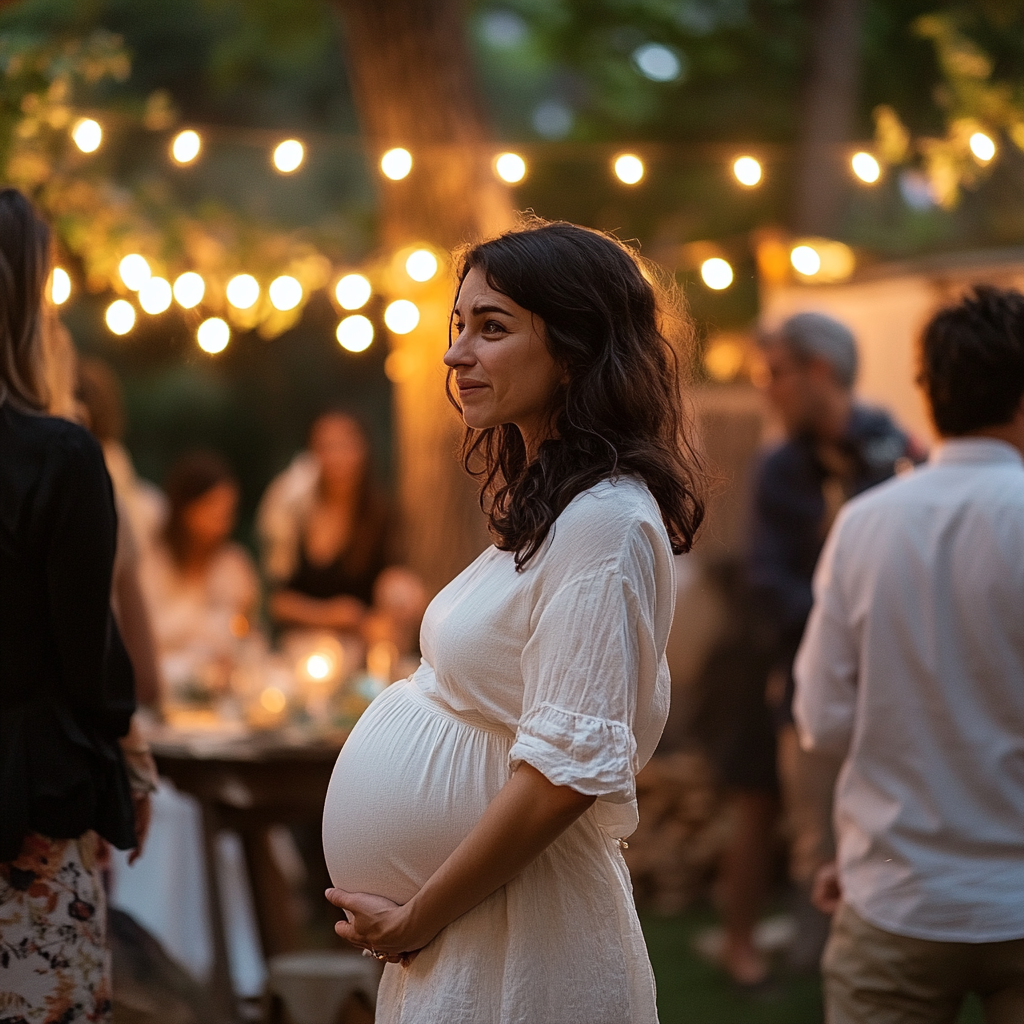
x,y
614,330
972,361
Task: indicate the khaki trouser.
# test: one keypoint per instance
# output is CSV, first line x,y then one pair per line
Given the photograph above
x,y
874,977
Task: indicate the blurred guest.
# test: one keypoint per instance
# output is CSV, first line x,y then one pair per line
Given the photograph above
x,y
68,779
834,448
330,545
911,670
202,589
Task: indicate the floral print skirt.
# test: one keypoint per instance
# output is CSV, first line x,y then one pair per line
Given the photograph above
x,y
54,963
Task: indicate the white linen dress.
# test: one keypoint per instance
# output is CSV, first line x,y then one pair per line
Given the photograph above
x,y
561,666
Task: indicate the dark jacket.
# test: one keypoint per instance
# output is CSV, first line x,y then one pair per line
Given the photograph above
x,y
67,690
790,516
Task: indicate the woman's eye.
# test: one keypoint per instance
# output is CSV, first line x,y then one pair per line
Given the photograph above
x,y
493,327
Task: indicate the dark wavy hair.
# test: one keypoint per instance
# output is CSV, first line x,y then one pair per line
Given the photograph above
x,y
190,478
972,361
615,331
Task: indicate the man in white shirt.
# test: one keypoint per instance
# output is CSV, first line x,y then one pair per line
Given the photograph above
x,y
912,668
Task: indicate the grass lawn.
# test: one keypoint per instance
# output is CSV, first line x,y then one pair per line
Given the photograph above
x,y
691,991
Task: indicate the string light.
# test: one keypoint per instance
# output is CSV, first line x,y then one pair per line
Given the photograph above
x,y
510,167
353,291
186,146
318,667
285,293
805,260
421,265
60,286
288,155
243,291
396,163
213,335
189,290
747,171
982,147
155,295
355,333
402,316
120,316
134,271
629,168
866,167
87,135
716,273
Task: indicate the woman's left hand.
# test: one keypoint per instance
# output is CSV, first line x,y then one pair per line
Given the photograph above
x,y
377,924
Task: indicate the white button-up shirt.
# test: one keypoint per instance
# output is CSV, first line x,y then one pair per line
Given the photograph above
x,y
912,666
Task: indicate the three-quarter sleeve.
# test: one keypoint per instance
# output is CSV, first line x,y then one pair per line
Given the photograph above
x,y
581,667
96,675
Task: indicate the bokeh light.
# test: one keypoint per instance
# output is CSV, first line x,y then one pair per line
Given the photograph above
x,y
747,171
318,667
510,167
134,271
87,135
805,260
155,295
186,146
213,335
120,316
716,273
353,291
243,291
189,290
273,700
396,163
355,333
421,265
866,167
629,168
60,286
657,62
402,316
285,293
982,147
288,155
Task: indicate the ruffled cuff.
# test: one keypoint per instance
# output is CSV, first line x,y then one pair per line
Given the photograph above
x,y
595,756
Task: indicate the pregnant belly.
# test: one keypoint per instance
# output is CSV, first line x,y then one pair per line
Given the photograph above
x,y
409,784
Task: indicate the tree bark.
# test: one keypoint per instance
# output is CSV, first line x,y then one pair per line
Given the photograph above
x,y
829,110
411,74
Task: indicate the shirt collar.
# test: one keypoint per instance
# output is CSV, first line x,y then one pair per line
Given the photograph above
x,y
974,451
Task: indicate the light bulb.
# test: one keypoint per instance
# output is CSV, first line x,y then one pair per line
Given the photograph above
x,y
402,316
243,291
805,260
120,316
189,290
510,167
421,265
285,293
355,333
629,168
982,147
318,667
396,163
87,134
186,146
747,171
353,291
866,167
717,273
60,286
155,295
288,155
134,271
213,335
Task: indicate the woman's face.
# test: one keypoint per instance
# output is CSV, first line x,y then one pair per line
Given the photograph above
x,y
504,371
340,449
210,519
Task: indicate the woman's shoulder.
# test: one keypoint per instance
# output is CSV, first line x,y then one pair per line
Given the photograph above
x,y
44,434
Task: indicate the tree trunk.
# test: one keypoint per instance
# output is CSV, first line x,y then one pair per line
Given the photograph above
x,y
411,74
829,109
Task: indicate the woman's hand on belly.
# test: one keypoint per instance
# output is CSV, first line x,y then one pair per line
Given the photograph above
x,y
377,924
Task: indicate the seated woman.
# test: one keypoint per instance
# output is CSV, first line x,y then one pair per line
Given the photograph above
x,y
330,543
202,589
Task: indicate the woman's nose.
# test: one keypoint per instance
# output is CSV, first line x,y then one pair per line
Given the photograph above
x,y
459,354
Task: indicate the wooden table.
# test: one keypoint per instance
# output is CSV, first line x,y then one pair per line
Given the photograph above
x,y
247,786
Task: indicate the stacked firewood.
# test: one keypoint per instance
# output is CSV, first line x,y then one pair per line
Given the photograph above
x,y
683,828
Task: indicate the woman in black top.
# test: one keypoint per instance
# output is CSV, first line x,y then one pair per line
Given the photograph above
x,y
66,684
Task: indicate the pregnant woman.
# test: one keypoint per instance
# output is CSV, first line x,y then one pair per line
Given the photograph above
x,y
475,818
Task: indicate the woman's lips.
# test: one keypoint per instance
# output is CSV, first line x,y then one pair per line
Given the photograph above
x,y
469,387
